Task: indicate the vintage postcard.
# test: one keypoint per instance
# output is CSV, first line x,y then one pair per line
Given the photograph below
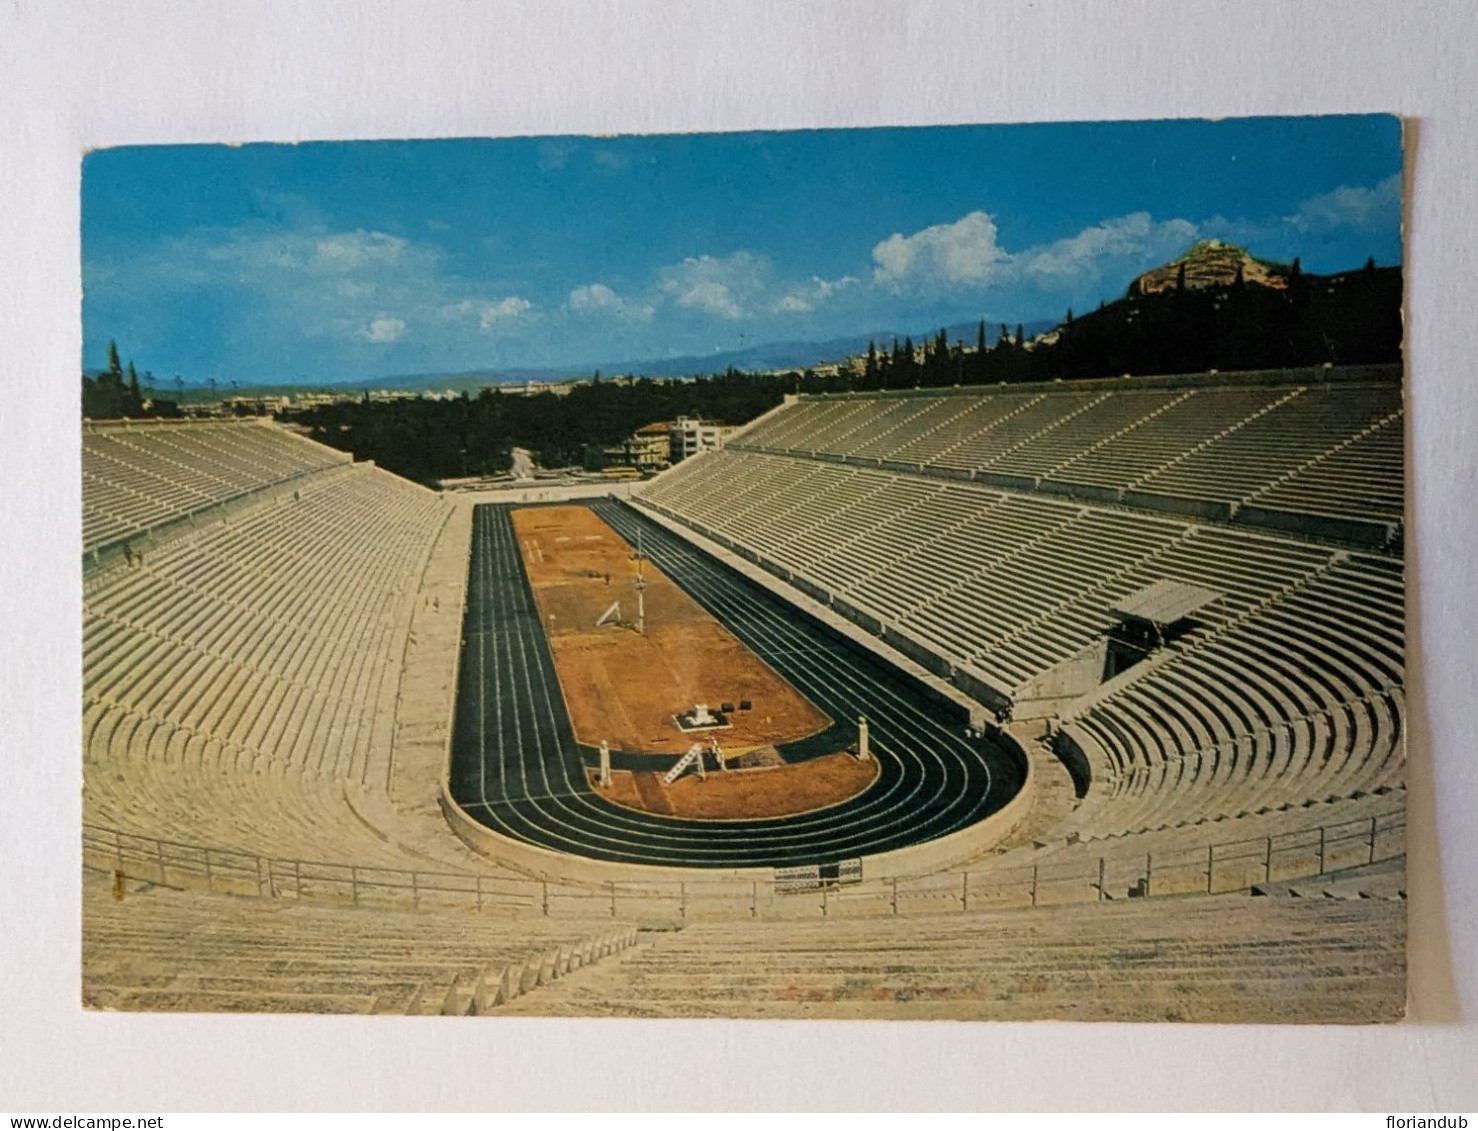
x,y
884,573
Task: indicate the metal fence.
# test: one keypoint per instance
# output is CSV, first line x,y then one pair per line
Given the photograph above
x,y
1225,866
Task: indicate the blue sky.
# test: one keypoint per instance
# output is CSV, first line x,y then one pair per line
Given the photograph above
x,y
340,261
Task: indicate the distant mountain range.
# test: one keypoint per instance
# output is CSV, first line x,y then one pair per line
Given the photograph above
x,y
759,358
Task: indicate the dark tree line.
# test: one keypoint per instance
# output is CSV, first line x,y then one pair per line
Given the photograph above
x,y
427,440
117,392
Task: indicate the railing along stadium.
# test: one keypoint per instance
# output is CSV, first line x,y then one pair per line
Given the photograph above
x,y
1227,866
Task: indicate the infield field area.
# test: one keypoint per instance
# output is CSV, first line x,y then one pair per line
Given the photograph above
x,y
625,686
627,674
523,749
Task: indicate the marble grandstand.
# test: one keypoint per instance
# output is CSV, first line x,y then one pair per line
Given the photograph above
x,y
269,674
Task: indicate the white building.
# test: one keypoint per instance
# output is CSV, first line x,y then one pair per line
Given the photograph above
x,y
689,437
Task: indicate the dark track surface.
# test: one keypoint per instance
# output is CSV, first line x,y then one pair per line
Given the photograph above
x,y
517,768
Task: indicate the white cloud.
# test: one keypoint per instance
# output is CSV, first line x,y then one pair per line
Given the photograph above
x,y
489,313
727,287
353,251
503,310
1364,208
965,252
803,298
336,286
968,255
712,297
1134,238
597,298
384,329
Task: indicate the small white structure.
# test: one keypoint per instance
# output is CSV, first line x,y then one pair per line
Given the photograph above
x,y
694,757
605,765
863,754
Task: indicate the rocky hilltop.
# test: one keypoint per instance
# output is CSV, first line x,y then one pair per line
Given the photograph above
x,y
1209,264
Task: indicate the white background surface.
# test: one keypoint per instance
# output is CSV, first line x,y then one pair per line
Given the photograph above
x,y
75,75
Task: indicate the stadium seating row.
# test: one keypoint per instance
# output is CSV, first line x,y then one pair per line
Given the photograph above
x,y
1328,450
266,640
141,475
1198,960
186,951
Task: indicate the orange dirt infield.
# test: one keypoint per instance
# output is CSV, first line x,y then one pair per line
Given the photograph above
x,y
774,791
625,687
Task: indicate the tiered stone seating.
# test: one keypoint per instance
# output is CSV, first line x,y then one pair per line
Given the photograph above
x,y
1332,450
1103,417
309,780
1034,418
1185,960
933,418
1007,583
1244,848
1363,479
1298,700
288,816
1074,576
240,687
1300,428
161,950
137,475
1125,457
1287,689
966,419
265,640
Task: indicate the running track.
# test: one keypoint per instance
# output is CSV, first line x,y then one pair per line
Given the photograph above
x,y
517,769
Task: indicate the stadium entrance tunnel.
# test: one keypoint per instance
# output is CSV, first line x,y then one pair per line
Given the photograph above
x,y
518,771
